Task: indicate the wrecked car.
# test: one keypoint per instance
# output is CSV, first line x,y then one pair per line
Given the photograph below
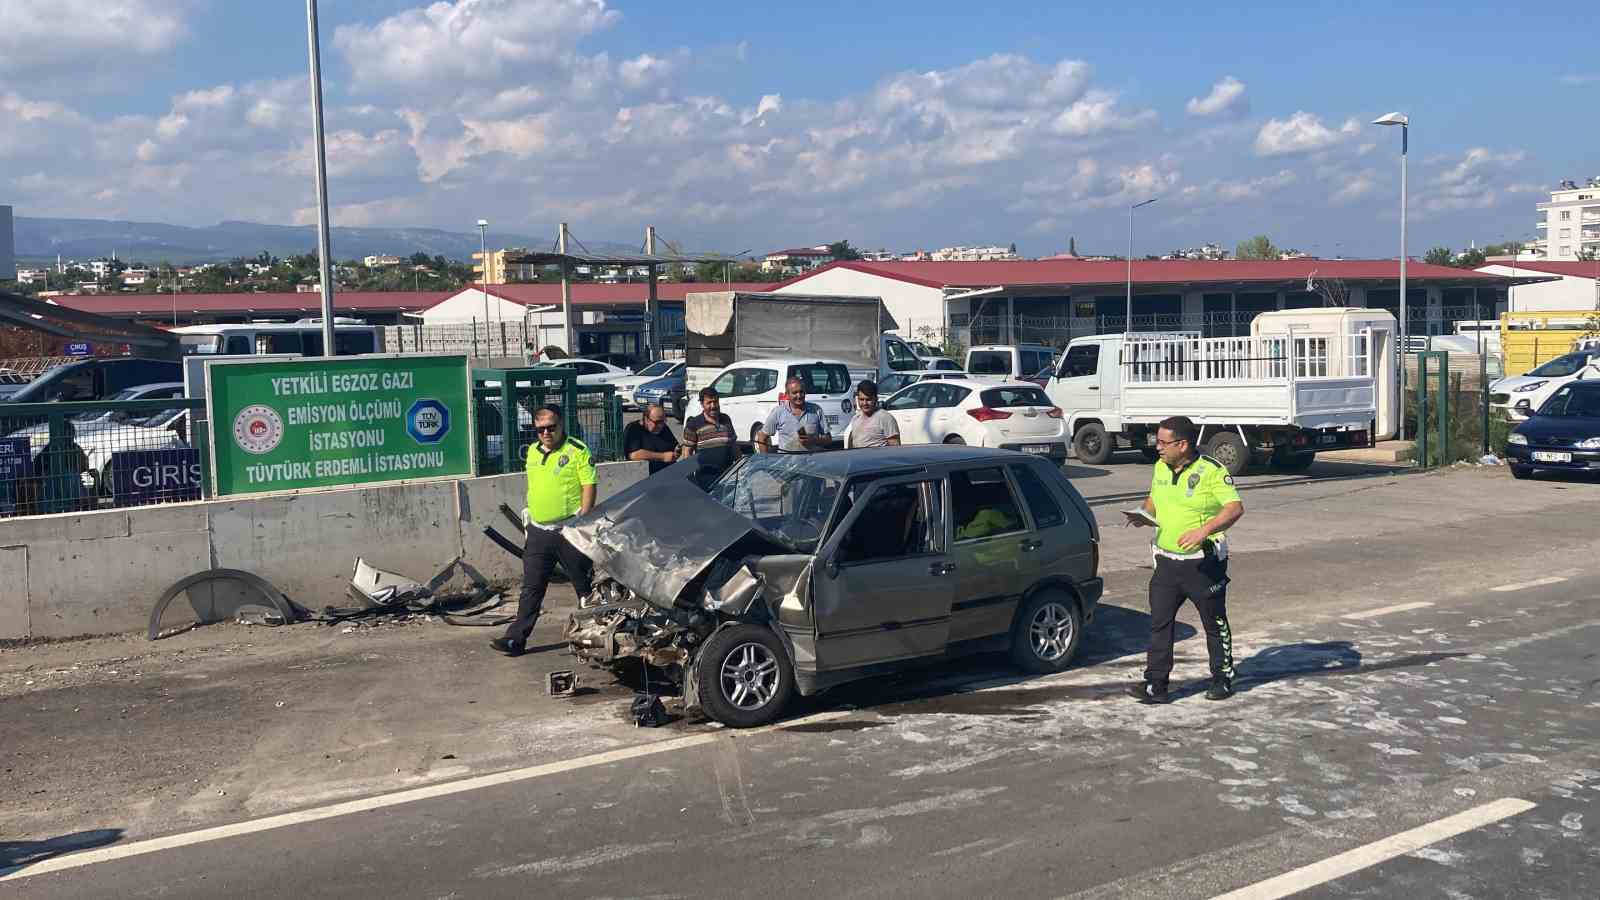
x,y
798,573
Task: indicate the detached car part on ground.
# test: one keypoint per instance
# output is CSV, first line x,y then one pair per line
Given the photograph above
x,y
795,574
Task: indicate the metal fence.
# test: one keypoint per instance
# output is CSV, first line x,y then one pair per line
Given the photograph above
x,y
507,337
590,413
77,457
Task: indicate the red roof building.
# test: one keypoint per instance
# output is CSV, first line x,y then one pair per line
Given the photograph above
x,y
376,307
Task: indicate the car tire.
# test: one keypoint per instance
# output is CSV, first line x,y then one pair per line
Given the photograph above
x,y
744,675
1092,444
1292,462
955,439
1521,472
1228,448
1046,633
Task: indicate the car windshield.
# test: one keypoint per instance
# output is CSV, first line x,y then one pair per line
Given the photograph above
x,y
822,378
98,414
657,368
1562,366
1573,403
780,498
204,344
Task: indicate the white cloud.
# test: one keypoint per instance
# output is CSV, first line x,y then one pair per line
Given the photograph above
x,y
1476,181
45,33
1301,133
644,71
1226,97
1579,79
1096,113
444,46
1237,190
1354,187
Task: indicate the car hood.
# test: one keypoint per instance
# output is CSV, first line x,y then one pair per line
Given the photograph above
x,y
1507,385
1569,428
658,535
665,383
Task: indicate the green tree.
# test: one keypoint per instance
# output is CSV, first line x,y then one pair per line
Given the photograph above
x,y
1439,256
1470,259
1258,247
843,250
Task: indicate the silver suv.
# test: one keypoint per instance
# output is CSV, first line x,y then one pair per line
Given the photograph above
x,y
800,573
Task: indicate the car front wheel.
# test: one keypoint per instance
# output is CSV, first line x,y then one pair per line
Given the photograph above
x,y
1521,471
744,676
1045,636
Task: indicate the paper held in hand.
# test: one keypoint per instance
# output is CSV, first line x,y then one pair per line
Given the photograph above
x,y
1139,517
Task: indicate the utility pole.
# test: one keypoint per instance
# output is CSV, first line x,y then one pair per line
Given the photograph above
x,y
650,297
566,292
324,263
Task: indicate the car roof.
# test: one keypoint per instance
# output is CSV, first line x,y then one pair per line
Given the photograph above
x,y
848,463
1013,347
784,361
977,385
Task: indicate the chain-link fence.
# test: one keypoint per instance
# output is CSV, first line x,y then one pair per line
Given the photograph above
x,y
506,337
77,457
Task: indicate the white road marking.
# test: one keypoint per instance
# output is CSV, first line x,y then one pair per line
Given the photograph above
x,y
1524,585
1377,852
1385,610
398,798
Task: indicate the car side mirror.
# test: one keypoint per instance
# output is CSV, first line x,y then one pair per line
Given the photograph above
x,y
831,569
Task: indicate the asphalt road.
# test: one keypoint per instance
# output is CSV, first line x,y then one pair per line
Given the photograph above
x,y
1418,686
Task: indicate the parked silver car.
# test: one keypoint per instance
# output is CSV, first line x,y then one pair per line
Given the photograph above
x,y
797,573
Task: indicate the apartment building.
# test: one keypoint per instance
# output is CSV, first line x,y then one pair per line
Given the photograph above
x,y
1571,226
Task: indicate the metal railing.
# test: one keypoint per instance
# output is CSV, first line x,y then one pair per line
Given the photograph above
x,y
590,413
77,457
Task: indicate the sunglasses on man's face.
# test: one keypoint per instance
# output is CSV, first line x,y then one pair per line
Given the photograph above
x,y
541,429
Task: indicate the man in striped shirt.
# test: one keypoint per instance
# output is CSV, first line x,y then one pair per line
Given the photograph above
x,y
710,438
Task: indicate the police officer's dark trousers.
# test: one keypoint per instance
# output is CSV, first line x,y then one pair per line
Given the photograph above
x,y
1203,582
539,555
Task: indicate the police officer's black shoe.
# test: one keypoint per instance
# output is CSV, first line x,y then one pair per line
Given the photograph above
x,y
1221,688
1149,692
508,646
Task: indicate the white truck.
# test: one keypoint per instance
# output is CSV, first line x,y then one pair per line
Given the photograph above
x,y
1303,381
727,327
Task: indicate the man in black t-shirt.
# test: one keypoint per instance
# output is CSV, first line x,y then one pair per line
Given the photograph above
x,y
650,440
710,438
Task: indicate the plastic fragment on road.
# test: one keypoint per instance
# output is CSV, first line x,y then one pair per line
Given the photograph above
x,y
561,684
647,711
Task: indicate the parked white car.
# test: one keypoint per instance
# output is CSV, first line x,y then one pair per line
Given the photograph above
x,y
1011,415
1519,396
940,364
627,384
747,391
891,383
149,431
1000,362
39,435
592,371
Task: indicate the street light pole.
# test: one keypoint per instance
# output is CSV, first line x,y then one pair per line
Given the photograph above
x,y
483,277
1404,122
1127,319
324,262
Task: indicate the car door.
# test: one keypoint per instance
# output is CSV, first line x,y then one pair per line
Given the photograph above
x,y
884,589
1076,387
911,409
989,538
944,416
1060,543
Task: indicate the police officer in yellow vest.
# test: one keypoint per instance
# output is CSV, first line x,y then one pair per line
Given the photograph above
x,y
1193,502
561,481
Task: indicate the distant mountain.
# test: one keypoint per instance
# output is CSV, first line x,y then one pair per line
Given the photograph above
x,y
40,239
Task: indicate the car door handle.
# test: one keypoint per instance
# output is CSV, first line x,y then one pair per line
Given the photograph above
x,y
1030,546
941,568
1094,388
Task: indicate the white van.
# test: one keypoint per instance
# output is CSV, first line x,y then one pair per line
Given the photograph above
x,y
999,363
302,338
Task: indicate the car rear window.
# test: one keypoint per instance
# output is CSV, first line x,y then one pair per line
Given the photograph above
x,y
822,378
1001,398
989,362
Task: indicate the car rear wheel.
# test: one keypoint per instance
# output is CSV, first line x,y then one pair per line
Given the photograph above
x,y
1228,448
1520,472
1045,635
1091,444
744,676
955,439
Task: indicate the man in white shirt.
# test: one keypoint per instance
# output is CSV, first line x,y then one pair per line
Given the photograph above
x,y
871,427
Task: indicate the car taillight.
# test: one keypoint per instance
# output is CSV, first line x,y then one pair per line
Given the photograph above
x,y
1055,412
985,414
783,398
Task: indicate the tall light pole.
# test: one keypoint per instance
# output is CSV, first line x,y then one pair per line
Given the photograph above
x,y
324,262
483,277
1127,321
1404,122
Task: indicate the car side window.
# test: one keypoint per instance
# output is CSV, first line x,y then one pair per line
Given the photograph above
x,y
915,398
726,383
982,504
757,381
897,522
237,345
1081,360
947,395
1046,511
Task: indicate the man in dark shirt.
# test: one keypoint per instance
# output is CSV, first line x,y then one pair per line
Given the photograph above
x,y
650,440
710,438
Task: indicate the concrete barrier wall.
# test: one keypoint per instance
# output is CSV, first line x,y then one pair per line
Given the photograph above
x,y
101,572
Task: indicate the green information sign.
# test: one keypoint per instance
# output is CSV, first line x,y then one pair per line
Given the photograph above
x,y
321,422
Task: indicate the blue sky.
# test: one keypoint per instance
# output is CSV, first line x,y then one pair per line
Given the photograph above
x,y
734,125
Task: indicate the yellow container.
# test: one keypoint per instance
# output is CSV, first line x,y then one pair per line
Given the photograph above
x,y
1531,339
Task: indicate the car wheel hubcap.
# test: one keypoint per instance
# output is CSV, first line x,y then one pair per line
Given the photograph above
x,y
749,676
1051,631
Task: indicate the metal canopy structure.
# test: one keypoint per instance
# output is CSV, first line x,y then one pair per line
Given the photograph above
x,y
25,312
